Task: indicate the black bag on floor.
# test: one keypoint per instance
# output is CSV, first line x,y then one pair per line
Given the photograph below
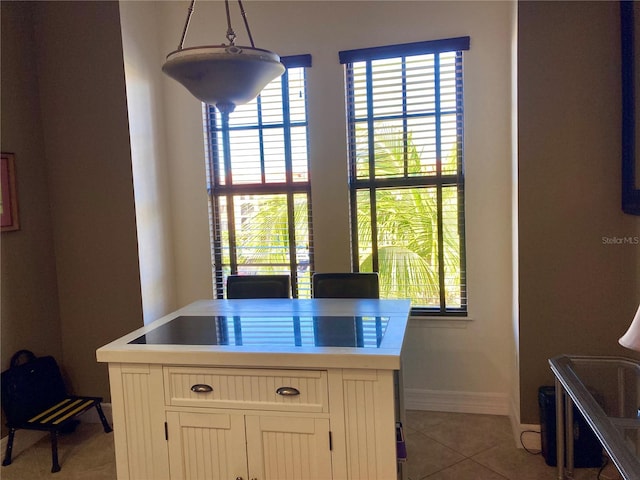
x,y
29,388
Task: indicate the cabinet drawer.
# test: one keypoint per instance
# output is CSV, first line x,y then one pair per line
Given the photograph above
x,y
284,390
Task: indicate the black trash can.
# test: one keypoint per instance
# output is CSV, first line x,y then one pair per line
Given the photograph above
x,y
587,451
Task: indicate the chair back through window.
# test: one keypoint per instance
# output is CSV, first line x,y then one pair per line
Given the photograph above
x,y
346,285
258,286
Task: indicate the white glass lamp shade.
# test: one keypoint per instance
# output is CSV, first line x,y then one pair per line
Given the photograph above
x,y
631,339
225,75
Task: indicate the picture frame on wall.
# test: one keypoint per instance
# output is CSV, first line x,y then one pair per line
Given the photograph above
x,y
9,207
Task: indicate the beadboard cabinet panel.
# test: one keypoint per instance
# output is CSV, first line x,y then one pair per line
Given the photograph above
x,y
288,448
206,446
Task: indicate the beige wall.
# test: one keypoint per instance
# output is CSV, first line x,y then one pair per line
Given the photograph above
x,y
142,54
29,296
70,278
577,294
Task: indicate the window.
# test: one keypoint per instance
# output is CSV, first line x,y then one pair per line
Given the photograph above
x,y
258,184
405,121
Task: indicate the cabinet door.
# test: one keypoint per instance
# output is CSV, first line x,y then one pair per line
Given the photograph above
x,y
206,446
138,421
288,448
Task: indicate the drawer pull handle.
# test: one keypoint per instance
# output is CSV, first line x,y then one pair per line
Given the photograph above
x,y
288,391
201,388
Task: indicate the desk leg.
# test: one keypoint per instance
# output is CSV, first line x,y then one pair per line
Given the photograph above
x,y
568,435
560,429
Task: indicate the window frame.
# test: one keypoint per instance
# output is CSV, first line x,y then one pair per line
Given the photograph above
x,y
218,188
372,183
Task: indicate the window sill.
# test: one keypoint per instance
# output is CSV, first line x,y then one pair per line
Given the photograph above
x,y
439,322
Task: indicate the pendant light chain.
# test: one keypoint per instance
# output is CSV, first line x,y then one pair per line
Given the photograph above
x,y
186,25
246,23
231,35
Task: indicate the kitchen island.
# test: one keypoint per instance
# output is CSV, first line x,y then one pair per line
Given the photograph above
x,y
260,389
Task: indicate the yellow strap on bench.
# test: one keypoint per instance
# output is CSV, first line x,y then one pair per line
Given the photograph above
x,y
49,410
62,411
73,412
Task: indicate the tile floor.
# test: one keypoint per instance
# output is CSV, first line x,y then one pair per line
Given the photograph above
x,y
441,446
459,446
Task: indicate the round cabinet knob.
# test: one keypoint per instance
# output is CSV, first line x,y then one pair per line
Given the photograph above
x,y
288,391
202,388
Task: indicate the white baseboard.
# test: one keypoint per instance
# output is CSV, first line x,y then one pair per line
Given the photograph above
x,y
525,436
457,402
26,438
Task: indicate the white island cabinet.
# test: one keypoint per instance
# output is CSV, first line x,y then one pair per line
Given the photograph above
x,y
268,389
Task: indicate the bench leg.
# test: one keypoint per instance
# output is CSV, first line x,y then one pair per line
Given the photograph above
x,y
7,455
55,466
103,419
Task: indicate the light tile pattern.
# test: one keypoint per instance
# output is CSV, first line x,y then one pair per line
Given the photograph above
x,y
441,446
460,446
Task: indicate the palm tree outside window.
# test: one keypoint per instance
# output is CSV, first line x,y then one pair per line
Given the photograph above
x,y
259,191
405,130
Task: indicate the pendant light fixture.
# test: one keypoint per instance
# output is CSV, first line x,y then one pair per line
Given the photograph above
x,y
223,75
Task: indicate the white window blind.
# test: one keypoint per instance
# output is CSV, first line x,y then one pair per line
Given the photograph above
x,y
405,121
258,178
